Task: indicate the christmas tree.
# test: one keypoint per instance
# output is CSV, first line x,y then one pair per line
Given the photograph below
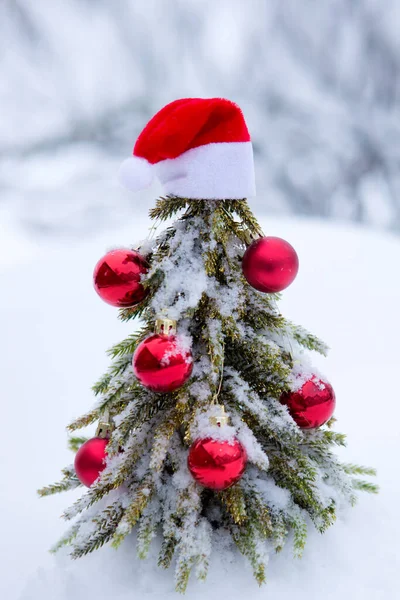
x,y
212,423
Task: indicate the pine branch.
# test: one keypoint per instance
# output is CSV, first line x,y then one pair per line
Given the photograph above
x,y
146,531
84,502
263,319
141,410
365,486
161,441
280,530
140,311
74,443
259,514
167,552
352,469
105,525
85,420
116,369
133,512
300,479
183,570
66,539
242,209
188,516
299,527
69,482
266,417
234,500
245,538
120,394
319,442
162,250
327,518
260,364
309,341
214,340
167,207
128,345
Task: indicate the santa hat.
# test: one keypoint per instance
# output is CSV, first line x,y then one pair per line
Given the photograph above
x,y
198,148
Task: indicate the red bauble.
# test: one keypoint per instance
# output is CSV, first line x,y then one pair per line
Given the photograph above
x,y
116,278
270,264
312,405
90,460
216,464
160,364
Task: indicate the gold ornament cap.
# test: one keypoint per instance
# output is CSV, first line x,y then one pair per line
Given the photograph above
x,y
220,419
165,326
250,237
105,427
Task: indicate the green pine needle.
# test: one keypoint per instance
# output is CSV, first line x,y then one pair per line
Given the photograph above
x,y
75,442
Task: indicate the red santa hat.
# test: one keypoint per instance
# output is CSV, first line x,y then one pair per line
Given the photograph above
x,y
198,148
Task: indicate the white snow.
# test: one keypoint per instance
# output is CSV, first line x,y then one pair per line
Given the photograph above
x,y
177,280
54,334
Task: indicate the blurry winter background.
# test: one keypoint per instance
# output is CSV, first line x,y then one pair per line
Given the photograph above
x,y
319,83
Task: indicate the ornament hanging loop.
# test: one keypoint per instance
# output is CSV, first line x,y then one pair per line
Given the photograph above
x,y
214,400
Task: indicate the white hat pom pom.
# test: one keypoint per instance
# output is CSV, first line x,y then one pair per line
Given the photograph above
x,y
135,173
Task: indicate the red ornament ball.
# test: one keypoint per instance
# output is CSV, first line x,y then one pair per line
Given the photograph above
x,y
90,460
216,464
312,405
161,365
116,278
270,264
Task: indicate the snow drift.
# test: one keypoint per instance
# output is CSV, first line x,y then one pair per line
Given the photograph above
x,y
55,332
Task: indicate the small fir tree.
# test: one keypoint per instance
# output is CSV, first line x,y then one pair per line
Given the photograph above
x,y
247,358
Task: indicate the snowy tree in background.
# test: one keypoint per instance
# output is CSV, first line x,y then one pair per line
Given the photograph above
x,y
213,426
321,94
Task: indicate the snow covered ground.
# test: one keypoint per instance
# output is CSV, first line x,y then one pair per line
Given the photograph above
x,y
54,331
